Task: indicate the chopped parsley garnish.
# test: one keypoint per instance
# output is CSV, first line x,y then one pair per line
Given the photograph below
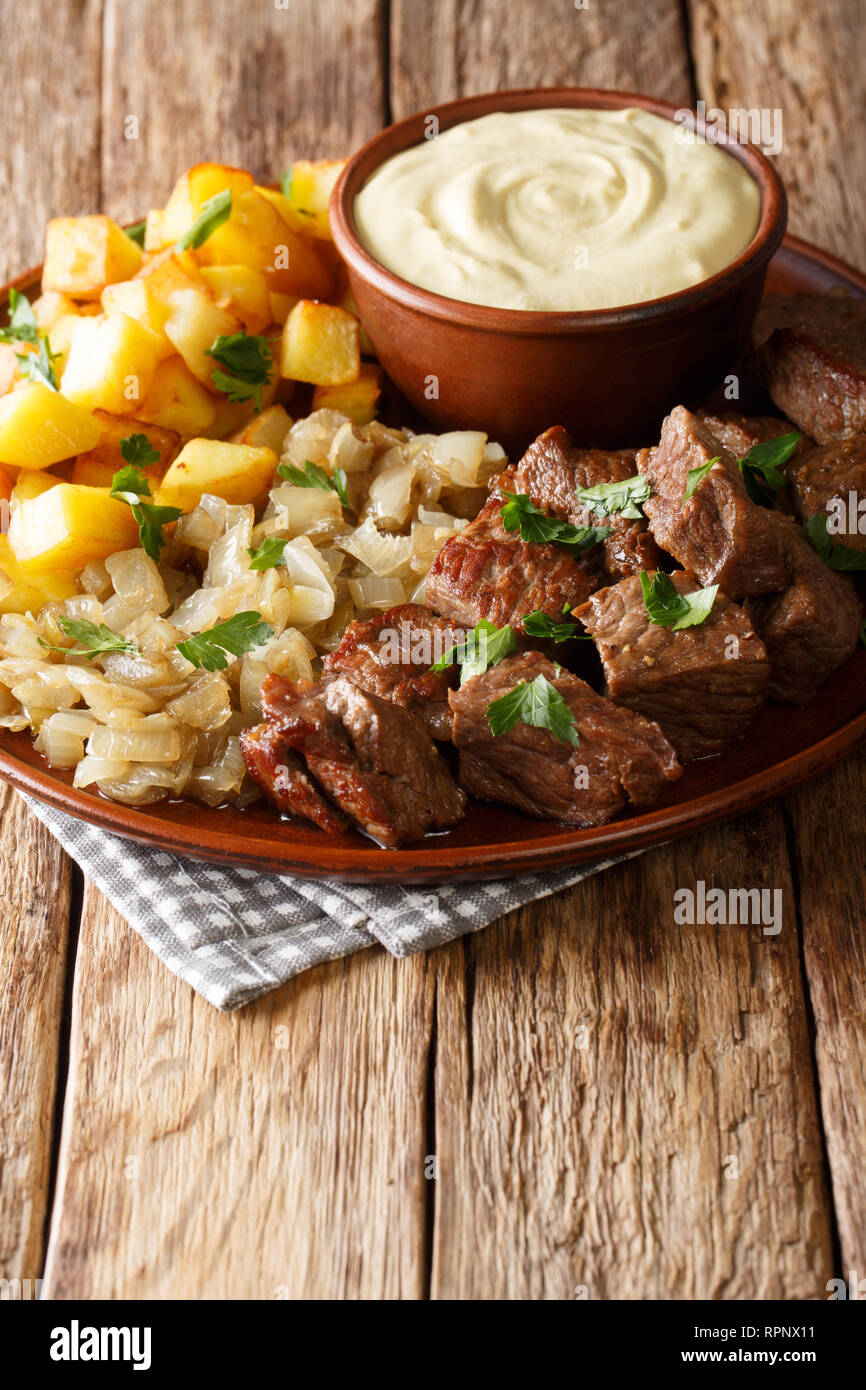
x,y
269,553
486,645
761,468
697,475
620,498
39,366
311,475
136,232
247,360
22,326
539,624
130,485
237,635
537,703
96,639
519,513
835,555
666,606
214,213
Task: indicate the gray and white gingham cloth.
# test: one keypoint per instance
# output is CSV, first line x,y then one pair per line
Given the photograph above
x,y
234,934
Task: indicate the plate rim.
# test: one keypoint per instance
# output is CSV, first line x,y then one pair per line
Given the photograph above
x,y
422,863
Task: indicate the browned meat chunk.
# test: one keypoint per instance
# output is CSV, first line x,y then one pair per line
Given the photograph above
x,y
488,572
702,685
280,772
814,362
391,654
812,627
371,758
550,472
719,534
619,757
739,433
830,472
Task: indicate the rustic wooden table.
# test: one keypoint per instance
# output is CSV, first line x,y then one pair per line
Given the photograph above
x,y
619,1107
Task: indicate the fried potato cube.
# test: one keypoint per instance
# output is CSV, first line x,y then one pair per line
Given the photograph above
x,y
51,306
84,254
235,472
154,230
10,371
111,364
136,299
194,322
39,427
169,271
265,431
69,525
309,192
176,401
281,305
29,483
97,467
256,236
357,399
243,292
30,589
194,187
320,345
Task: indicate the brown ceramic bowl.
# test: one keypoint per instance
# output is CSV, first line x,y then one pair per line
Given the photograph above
x,y
608,375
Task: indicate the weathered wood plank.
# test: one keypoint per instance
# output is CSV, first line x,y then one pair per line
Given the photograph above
x,y
807,61
274,1153
34,923
625,1107
49,164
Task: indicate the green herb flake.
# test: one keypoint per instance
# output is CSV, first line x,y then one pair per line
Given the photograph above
x,y
618,498
95,639
130,485
311,475
214,213
762,467
248,363
22,326
269,554
539,624
537,703
136,232
39,366
237,635
535,526
667,607
696,476
843,558
486,645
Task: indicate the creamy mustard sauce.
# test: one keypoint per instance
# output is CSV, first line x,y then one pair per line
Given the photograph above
x,y
559,209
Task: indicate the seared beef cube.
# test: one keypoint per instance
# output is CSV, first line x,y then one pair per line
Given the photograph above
x,y
702,684
391,654
834,471
814,362
373,759
550,472
619,756
280,772
719,534
739,433
812,627
487,572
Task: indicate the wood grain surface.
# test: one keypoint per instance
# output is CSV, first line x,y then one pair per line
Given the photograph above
x,y
585,1100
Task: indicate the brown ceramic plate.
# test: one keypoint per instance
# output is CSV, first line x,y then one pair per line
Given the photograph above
x,y
785,746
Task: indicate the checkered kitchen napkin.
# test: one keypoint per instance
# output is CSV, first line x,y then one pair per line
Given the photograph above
x,y
234,934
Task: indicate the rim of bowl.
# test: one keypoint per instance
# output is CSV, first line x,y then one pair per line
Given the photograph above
x,y
488,318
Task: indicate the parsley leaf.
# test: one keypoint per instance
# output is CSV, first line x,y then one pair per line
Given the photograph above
x,y
22,327
623,498
137,451
237,635
39,366
248,362
311,475
761,468
537,703
269,553
214,213
669,608
486,645
519,513
697,475
96,639
836,556
130,485
539,624
136,232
